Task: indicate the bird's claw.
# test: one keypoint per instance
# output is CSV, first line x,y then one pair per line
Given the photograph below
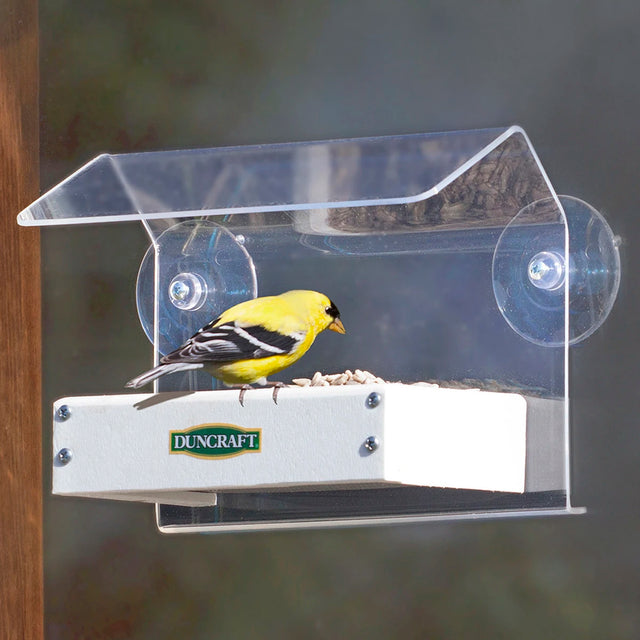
x,y
276,388
243,390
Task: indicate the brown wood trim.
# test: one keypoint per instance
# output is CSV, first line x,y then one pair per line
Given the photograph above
x,y
21,579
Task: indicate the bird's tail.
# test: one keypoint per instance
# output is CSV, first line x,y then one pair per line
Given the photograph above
x,y
161,370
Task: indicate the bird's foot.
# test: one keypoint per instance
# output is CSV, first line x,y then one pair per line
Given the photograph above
x,y
243,390
276,388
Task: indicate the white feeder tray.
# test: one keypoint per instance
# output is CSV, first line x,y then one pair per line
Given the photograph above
x,y
356,436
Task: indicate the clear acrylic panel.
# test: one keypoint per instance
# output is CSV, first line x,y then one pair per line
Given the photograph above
x,y
448,255
307,175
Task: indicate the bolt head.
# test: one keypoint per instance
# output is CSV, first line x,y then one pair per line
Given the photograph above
x,y
546,270
373,400
371,443
64,456
180,291
63,412
188,291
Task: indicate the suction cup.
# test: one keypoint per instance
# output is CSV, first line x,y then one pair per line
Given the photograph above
x,y
531,271
203,269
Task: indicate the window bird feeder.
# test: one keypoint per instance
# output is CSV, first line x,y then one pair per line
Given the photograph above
x,y
462,279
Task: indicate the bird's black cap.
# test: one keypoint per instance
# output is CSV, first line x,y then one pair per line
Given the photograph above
x,y
332,310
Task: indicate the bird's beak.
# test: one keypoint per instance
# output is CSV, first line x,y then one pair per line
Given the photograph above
x,y
337,326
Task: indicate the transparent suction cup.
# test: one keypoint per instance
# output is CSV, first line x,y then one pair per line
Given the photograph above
x,y
203,269
531,271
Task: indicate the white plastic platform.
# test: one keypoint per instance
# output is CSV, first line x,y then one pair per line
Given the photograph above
x,y
314,438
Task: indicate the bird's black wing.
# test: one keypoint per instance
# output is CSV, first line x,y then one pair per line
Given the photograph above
x,y
229,342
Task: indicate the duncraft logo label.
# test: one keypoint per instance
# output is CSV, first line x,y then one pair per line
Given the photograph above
x,y
215,441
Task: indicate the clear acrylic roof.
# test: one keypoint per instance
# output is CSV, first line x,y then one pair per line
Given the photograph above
x,y
262,178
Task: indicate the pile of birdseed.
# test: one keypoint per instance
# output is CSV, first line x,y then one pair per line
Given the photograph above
x,y
348,377
366,377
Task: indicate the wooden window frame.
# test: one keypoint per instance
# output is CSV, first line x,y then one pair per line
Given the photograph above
x,y
21,555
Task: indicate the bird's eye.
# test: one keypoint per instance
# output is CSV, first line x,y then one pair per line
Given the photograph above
x,y
327,309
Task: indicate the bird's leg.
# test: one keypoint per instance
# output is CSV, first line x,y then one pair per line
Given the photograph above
x,y
243,390
276,387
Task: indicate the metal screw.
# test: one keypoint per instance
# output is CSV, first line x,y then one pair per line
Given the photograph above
x,y
64,456
546,270
180,290
240,239
371,443
373,400
188,291
63,412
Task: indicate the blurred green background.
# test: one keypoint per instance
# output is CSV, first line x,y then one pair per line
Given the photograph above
x,y
129,75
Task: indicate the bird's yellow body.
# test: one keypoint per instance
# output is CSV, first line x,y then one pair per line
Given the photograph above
x,y
253,339
250,371
293,314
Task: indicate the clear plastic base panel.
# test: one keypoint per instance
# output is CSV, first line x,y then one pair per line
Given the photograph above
x,y
268,510
447,256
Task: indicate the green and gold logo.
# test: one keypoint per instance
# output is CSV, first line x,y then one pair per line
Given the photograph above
x,y
215,441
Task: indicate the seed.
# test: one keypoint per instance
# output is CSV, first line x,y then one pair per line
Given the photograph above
x,y
341,379
360,376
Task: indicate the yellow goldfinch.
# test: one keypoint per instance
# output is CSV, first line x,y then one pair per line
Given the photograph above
x,y
252,340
